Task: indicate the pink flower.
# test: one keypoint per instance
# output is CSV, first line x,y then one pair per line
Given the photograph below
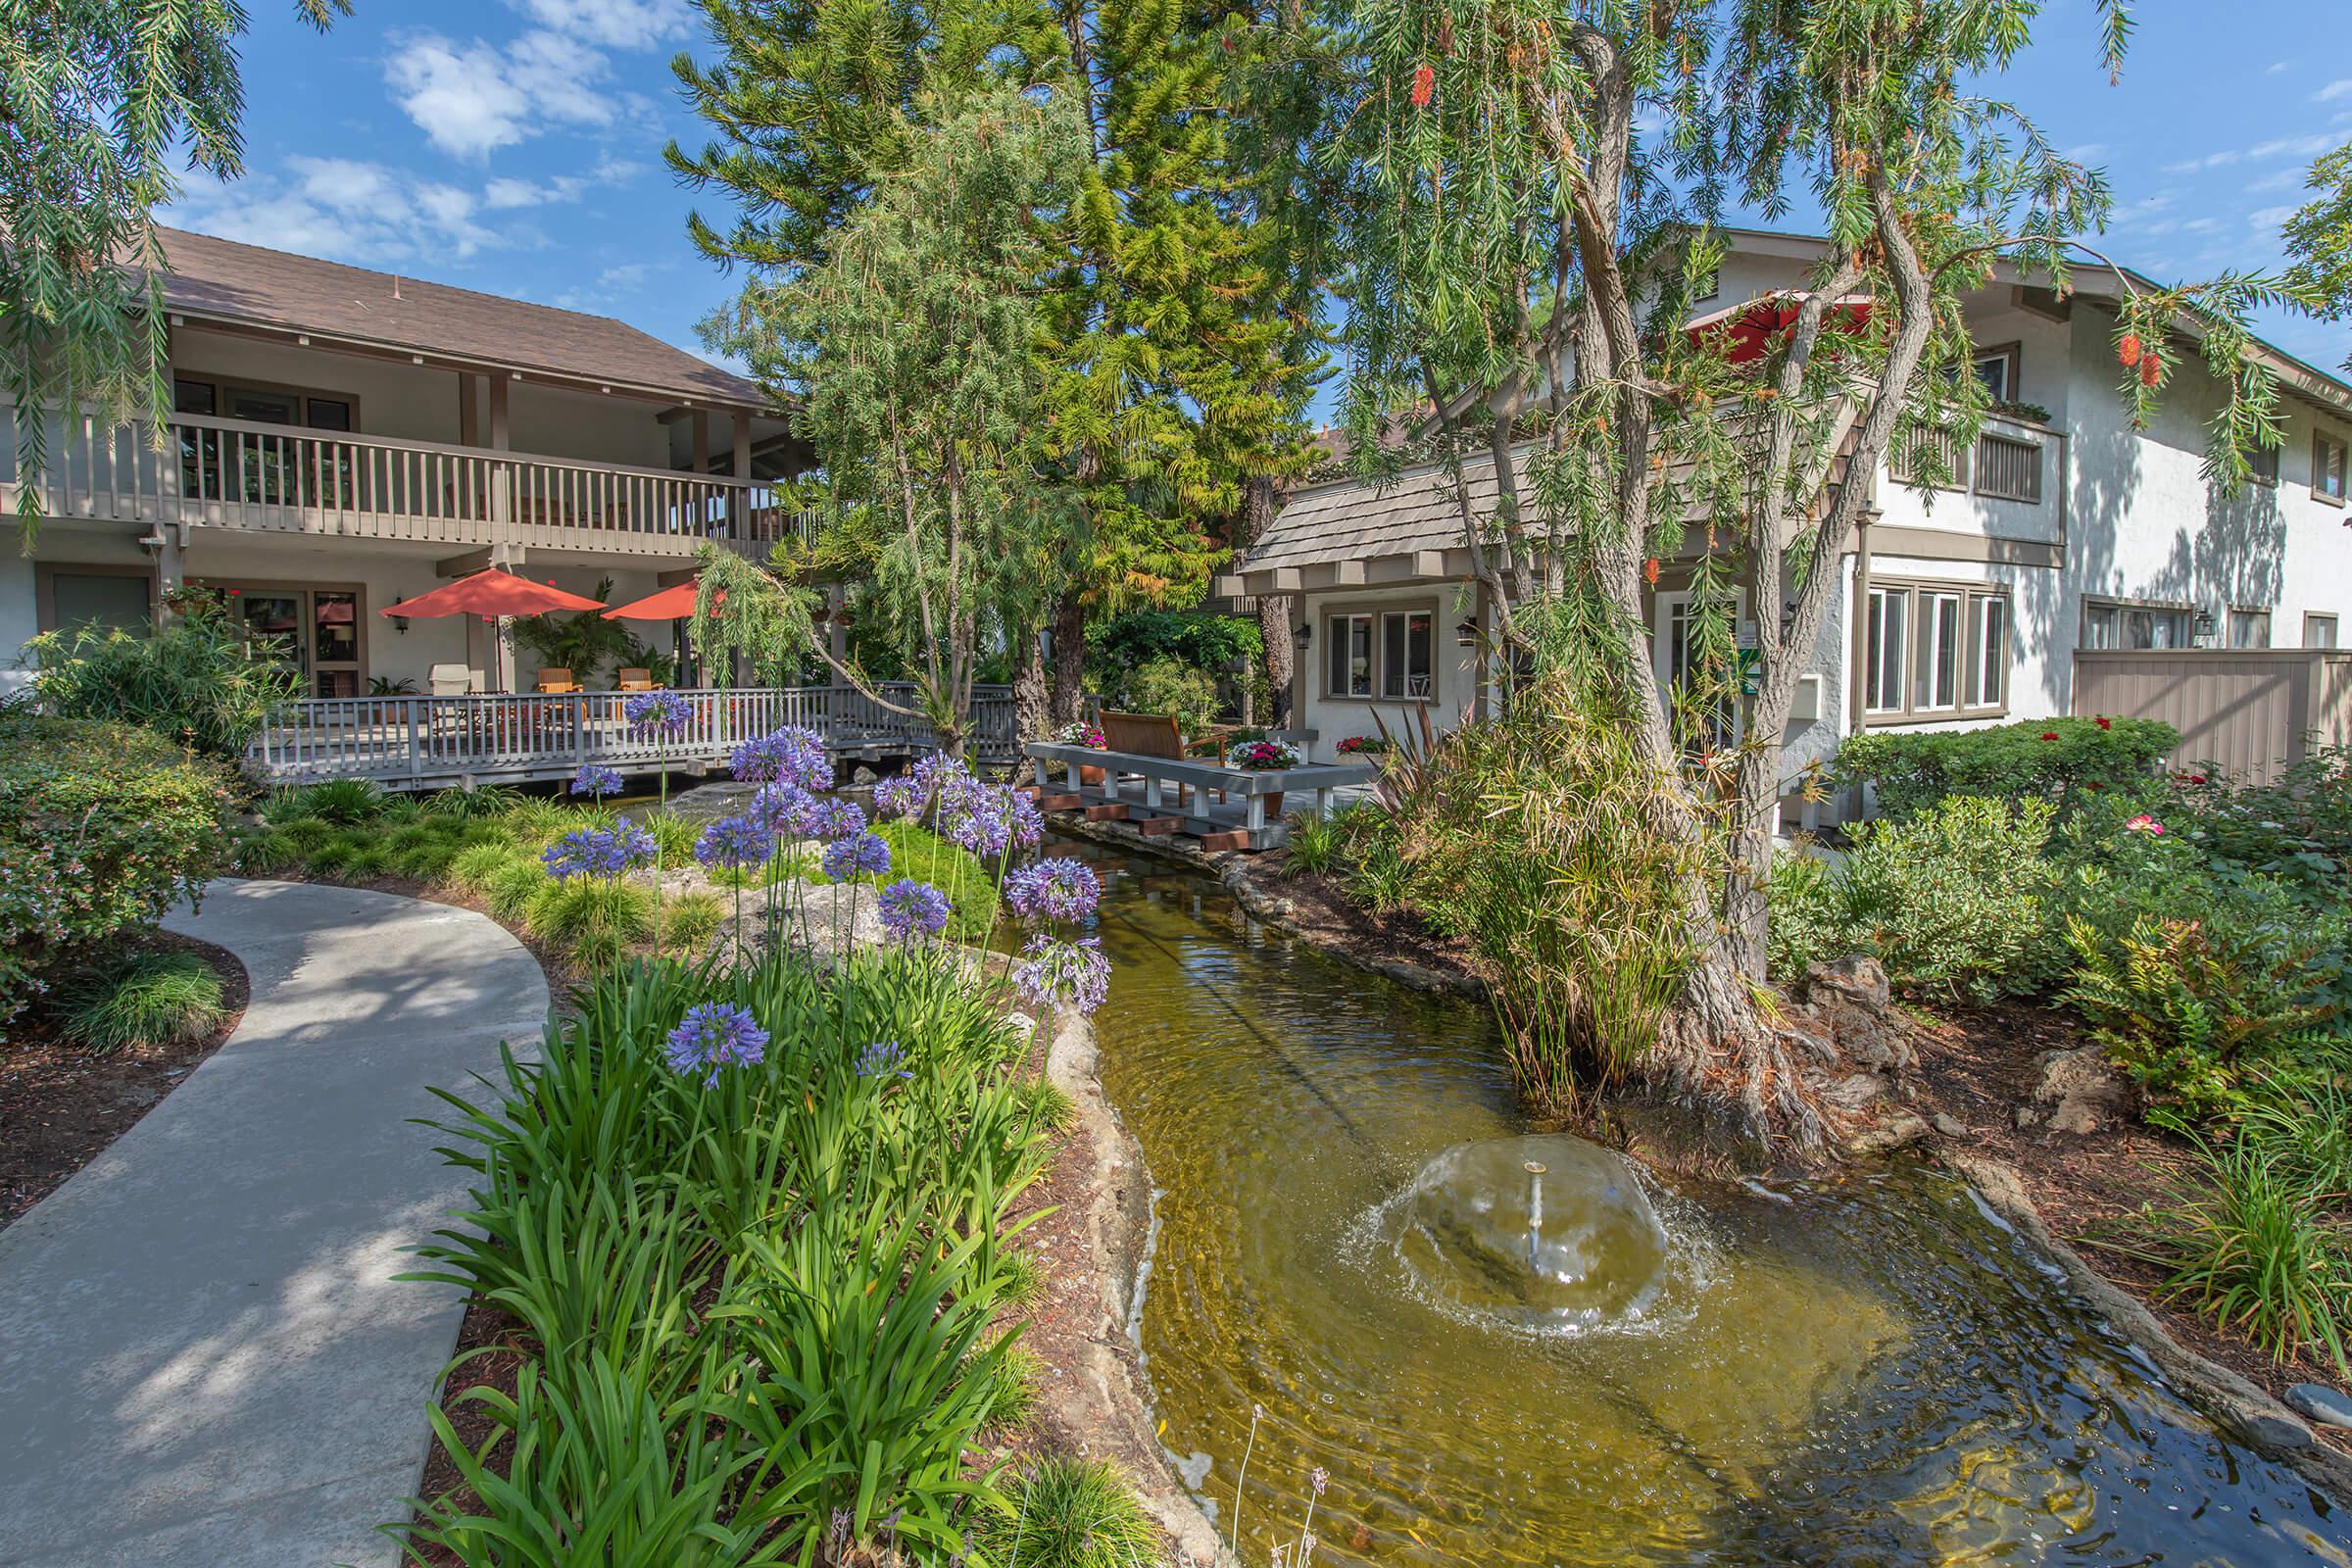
x,y
2144,824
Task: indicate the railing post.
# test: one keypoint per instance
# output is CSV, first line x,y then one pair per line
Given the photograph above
x,y
414,717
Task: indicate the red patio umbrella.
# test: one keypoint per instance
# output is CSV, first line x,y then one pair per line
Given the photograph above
x,y
489,593
1745,332
674,603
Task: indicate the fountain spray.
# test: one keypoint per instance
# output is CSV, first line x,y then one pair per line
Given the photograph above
x,y
1535,1207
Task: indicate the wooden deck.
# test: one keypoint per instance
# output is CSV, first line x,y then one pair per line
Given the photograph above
x,y
406,743
1224,807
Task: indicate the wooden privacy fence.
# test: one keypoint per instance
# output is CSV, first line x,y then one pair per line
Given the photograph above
x,y
407,742
2247,712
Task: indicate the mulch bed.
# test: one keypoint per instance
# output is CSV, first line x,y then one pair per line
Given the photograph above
x,y
1322,912
61,1106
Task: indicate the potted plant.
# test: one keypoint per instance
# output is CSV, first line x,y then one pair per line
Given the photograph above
x,y
385,686
1089,736
1266,756
1364,746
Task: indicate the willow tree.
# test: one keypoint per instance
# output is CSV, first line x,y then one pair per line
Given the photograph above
x,y
913,354
1530,191
101,101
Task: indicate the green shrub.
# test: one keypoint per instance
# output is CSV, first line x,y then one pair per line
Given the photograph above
x,y
2303,1114
101,826
266,852
2186,1008
594,921
1913,770
672,835
1949,899
308,835
147,999
424,860
1177,689
483,802
2247,1241
1018,1380
689,920
1315,844
1049,1104
472,867
196,682
536,823
1069,1513
510,888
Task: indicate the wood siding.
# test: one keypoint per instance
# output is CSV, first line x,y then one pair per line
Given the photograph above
x,y
2248,712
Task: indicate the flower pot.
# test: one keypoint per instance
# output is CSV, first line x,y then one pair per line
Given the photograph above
x,y
1273,806
1090,774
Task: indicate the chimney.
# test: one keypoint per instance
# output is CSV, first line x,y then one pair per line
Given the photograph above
x,y
396,285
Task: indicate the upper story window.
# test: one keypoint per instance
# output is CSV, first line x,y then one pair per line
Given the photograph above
x,y
2318,630
2327,467
2113,623
1996,367
320,411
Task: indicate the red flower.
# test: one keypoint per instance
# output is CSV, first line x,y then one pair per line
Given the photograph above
x,y
1425,83
2049,734
1650,571
2126,349
2151,370
2104,722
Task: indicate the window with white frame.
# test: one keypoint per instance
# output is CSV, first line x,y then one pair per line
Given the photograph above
x,y
2249,628
1387,653
1935,650
2327,467
1996,367
2117,623
1351,656
1407,670
2318,631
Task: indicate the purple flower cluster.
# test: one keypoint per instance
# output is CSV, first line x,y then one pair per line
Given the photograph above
x,y
790,755
596,781
857,855
647,712
898,796
735,842
598,852
716,1035
883,1058
1063,974
911,908
1057,889
836,819
785,809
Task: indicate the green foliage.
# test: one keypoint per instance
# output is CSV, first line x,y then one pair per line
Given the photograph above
x,y
101,826
919,853
1316,843
593,920
1949,900
1118,646
673,836
582,641
689,920
1019,1376
2184,1008
1070,1513
266,852
142,998
195,681
472,867
344,802
1172,687
483,801
753,1309
2252,1243
2319,236
1912,769
512,888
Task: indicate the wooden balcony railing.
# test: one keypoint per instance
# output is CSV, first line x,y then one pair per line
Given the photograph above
x,y
234,473
2004,465
410,740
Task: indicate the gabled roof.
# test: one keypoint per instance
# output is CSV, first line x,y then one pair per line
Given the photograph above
x,y
221,280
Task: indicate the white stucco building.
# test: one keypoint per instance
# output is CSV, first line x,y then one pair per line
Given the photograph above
x,y
2071,531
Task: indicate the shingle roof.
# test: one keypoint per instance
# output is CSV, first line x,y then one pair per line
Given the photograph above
x,y
1354,519
222,280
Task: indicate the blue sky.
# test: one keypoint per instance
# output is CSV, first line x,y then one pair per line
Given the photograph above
x,y
515,145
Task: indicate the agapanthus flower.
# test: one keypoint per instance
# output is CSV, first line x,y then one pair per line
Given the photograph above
x,y
598,852
836,819
651,712
859,854
735,842
937,769
1028,822
1055,888
911,908
789,756
595,781
898,796
783,807
1063,974
883,1058
974,815
716,1035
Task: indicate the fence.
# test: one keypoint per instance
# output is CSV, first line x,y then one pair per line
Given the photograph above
x,y
2250,711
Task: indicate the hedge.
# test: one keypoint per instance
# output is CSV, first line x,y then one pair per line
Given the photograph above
x,y
2035,759
101,826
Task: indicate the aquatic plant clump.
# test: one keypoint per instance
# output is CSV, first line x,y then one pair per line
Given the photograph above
x,y
912,909
1059,888
713,1036
598,852
1063,974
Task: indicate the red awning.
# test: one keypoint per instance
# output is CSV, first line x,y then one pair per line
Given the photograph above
x,y
488,593
1746,332
674,603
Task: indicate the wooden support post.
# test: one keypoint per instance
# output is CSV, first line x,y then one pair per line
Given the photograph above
x,y
739,498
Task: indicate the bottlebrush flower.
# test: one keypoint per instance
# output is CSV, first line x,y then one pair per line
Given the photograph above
x,y
2126,350
1425,87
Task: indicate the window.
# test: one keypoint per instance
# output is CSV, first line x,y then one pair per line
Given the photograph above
x,y
1996,367
1708,287
1352,656
1404,655
1936,649
2107,623
1938,652
2326,467
99,600
2249,628
2318,631
1882,689
2263,464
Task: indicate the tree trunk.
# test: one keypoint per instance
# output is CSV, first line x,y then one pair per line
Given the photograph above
x,y
1261,500
1032,693
1070,659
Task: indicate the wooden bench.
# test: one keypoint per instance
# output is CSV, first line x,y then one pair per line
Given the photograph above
x,y
1147,735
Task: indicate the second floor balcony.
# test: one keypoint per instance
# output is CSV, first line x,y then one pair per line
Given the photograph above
x,y
215,472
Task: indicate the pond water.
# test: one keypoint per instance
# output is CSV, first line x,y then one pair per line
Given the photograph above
x,y
1581,1364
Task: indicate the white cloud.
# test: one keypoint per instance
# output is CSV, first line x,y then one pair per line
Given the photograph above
x,y
614,24
471,99
2329,94
2275,68
2293,147
2090,152
348,209
2269,218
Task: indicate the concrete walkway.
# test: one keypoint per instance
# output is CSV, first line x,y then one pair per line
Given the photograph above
x,y
204,1357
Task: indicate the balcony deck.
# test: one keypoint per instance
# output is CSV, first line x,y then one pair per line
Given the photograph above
x,y
413,743
234,473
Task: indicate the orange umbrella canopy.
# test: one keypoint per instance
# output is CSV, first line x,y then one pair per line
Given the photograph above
x,y
674,603
491,592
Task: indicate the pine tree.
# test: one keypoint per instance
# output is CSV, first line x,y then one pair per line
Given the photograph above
x,y
99,98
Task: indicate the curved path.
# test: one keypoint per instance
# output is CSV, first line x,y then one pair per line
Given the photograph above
x,y
205,1358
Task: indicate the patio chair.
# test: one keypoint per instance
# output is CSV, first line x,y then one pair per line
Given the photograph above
x,y
632,679
453,680
556,680
1149,735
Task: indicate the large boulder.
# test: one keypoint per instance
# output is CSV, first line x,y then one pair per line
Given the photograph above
x,y
1850,1003
2075,1092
